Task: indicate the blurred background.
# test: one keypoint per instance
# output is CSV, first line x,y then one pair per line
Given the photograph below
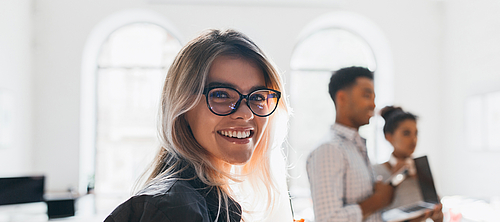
x,y
80,83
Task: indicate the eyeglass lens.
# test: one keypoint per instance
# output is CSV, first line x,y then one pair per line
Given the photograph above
x,y
224,100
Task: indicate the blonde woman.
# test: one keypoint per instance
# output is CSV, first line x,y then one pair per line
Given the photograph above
x,y
220,107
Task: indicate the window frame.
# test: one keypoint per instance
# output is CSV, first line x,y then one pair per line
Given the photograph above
x,y
88,96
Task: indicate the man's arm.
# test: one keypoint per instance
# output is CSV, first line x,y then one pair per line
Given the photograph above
x,y
326,169
382,197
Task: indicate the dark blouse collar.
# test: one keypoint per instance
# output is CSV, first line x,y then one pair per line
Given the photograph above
x,y
211,196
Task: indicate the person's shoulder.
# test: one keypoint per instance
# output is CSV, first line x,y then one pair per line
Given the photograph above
x,y
326,151
168,200
137,208
170,187
329,146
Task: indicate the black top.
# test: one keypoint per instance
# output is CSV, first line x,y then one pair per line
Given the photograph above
x,y
184,198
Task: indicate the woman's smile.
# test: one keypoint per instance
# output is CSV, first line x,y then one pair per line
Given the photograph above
x,y
234,136
240,134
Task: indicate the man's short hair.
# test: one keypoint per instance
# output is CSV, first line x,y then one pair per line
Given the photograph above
x,y
345,78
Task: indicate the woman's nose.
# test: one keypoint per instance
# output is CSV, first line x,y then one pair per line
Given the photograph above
x,y
243,112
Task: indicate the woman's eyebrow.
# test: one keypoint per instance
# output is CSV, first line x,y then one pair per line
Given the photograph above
x,y
258,87
222,84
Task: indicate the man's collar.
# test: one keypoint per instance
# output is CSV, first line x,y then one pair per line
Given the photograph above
x,y
345,131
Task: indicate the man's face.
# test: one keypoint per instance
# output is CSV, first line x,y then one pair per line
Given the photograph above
x,y
361,103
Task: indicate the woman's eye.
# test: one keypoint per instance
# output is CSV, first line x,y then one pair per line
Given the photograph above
x,y
220,94
258,97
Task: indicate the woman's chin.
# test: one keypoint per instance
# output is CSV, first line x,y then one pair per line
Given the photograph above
x,y
235,159
238,161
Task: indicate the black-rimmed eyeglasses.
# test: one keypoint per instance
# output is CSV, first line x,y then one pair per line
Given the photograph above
x,y
224,101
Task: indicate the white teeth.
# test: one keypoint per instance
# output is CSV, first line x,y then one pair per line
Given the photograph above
x,y
236,134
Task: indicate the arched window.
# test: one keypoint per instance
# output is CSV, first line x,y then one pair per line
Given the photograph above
x,y
327,44
331,49
124,63
130,75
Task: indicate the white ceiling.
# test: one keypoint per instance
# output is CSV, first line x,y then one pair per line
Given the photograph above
x,y
254,2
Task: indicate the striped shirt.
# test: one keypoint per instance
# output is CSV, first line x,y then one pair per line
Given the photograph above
x,y
340,176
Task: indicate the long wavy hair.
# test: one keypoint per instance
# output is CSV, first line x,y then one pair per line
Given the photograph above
x,y
182,91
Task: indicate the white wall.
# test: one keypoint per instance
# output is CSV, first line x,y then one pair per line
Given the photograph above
x,y
15,79
472,56
443,51
61,29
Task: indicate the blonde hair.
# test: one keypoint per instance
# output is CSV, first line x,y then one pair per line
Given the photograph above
x,y
187,77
